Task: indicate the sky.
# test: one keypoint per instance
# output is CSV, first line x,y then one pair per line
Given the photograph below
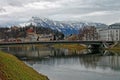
x,y
103,11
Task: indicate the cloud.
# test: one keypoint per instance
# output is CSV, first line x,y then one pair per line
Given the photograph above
x,y
91,10
42,5
2,10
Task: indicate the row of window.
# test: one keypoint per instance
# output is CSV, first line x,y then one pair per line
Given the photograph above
x,y
110,34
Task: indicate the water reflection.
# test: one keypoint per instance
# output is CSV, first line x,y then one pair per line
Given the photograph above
x,y
33,51
89,67
62,64
28,52
89,61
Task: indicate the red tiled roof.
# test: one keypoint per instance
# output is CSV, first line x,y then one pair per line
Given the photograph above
x,y
30,31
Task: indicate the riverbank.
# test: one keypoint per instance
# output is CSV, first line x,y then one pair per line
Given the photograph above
x,y
13,69
71,47
115,47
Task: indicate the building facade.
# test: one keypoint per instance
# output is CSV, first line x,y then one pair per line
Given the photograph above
x,y
33,36
103,34
112,33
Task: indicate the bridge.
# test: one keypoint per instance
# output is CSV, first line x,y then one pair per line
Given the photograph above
x,y
88,43
53,42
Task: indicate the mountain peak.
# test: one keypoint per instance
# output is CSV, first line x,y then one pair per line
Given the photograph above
x,y
66,27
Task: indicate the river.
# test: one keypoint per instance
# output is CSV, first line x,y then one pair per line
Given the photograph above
x,y
62,64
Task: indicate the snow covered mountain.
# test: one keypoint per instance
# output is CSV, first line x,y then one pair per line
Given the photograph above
x,y
67,27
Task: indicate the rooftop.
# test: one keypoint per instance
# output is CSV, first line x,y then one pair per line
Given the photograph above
x,y
115,26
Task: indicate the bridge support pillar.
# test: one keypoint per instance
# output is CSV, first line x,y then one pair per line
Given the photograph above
x,y
105,45
98,46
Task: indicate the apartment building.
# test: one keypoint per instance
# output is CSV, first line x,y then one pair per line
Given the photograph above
x,y
112,33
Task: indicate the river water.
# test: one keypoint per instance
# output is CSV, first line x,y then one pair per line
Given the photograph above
x,y
63,64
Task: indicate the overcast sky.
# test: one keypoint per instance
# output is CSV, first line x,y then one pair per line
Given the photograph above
x,y
104,11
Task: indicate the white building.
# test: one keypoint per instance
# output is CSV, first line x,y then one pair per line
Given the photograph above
x,y
103,34
112,33
46,37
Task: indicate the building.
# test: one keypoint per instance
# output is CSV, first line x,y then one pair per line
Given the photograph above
x,y
45,37
32,36
103,34
112,33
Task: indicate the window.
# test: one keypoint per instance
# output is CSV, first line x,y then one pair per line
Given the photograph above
x,y
116,38
116,34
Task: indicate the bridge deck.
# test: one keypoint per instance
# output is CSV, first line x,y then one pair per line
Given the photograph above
x,y
53,42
